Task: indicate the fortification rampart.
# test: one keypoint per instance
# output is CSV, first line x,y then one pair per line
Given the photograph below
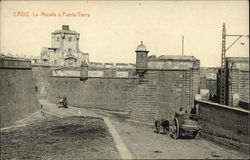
x,y
160,93
100,92
41,74
163,88
17,91
224,124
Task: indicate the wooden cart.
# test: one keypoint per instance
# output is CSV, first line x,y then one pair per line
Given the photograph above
x,y
62,102
186,124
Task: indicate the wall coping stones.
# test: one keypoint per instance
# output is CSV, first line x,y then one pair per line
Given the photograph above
x,y
223,106
238,59
155,69
15,64
96,77
46,65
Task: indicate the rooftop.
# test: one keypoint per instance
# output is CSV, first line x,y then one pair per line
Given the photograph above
x,y
141,47
176,57
238,59
65,29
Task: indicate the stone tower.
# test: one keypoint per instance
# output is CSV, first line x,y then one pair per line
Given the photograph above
x,y
64,50
141,58
66,40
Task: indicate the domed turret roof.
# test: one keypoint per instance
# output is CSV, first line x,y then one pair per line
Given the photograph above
x,y
141,47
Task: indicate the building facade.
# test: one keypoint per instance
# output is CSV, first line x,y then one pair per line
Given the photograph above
x,y
238,79
64,50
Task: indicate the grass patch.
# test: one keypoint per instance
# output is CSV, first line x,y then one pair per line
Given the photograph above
x,y
64,138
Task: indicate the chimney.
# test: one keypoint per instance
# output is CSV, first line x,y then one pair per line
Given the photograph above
x,y
65,27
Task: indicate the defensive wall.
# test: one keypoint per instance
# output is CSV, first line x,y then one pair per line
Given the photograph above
x,y
244,104
107,93
167,85
170,82
224,124
41,74
17,91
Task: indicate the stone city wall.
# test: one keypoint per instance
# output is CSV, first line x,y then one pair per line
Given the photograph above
x,y
224,124
17,91
66,73
103,93
169,83
156,95
159,94
41,74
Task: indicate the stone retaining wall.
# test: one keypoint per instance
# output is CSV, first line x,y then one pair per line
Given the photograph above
x,y
17,91
224,124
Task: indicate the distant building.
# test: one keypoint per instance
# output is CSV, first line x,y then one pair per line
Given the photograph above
x,y
237,84
209,72
208,79
64,50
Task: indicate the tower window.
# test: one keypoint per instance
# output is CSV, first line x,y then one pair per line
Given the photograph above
x,y
58,39
70,38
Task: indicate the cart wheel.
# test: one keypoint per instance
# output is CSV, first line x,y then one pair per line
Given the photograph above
x,y
176,129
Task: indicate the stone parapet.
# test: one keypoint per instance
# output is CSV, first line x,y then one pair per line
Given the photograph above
x,y
225,124
15,64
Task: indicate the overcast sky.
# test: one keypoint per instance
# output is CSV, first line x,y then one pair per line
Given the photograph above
x,y
114,29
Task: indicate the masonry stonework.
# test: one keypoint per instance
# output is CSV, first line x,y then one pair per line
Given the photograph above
x,y
159,94
102,93
17,91
224,124
238,78
64,50
155,89
41,75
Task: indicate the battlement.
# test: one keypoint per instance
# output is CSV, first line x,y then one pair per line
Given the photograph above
x,y
14,64
112,65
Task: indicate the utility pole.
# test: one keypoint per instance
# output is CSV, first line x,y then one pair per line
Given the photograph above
x,y
223,68
182,52
223,72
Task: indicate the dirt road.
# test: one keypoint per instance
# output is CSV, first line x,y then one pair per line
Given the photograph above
x,y
143,143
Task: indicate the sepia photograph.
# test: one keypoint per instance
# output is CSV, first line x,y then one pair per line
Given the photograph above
x,y
128,79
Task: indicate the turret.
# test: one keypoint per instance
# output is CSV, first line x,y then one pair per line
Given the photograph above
x,y
84,71
141,59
